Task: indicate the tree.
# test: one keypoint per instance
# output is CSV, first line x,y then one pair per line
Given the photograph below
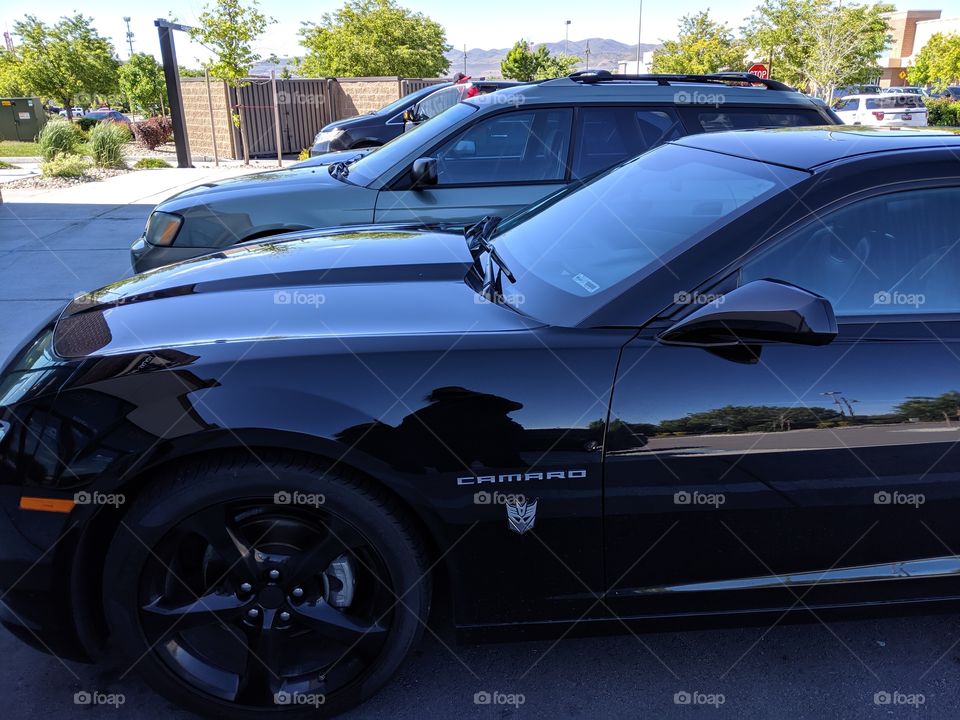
x,y
65,61
526,65
938,63
371,38
818,45
520,63
227,29
142,81
702,46
11,80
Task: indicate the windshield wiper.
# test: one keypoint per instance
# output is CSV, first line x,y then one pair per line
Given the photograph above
x,y
478,238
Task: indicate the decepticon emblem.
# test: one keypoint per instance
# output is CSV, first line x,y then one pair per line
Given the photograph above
x,y
521,514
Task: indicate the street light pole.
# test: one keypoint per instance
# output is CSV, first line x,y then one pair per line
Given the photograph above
x,y
566,37
639,35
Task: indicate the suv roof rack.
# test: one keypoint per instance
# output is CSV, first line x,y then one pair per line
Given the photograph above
x,y
596,76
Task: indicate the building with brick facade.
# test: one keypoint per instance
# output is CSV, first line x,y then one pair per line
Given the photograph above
x,y
909,31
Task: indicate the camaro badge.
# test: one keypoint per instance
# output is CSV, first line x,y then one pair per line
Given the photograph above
x,y
521,514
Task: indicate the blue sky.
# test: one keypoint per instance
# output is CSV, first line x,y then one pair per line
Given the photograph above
x,y
494,23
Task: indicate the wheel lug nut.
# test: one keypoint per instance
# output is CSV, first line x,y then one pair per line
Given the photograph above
x,y
274,574
253,613
297,592
246,587
284,616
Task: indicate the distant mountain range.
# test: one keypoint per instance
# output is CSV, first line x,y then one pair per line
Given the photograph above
x,y
604,54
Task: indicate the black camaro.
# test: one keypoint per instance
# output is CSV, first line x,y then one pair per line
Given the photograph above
x,y
720,379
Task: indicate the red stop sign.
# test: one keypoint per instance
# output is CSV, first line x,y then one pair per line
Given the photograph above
x,y
760,70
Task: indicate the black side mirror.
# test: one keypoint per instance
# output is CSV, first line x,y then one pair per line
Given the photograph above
x,y
760,311
424,172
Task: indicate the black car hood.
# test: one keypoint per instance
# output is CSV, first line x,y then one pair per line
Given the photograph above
x,y
349,282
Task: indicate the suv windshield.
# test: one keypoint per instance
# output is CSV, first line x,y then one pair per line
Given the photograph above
x,y
575,248
369,168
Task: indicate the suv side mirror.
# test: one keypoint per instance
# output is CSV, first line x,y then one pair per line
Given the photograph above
x,y
424,172
760,311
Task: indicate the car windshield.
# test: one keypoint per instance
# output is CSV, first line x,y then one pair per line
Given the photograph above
x,y
369,168
401,104
578,248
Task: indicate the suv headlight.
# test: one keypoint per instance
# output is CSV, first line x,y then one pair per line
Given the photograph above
x,y
162,228
328,135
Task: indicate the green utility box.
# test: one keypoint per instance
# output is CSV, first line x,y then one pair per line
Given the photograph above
x,y
21,118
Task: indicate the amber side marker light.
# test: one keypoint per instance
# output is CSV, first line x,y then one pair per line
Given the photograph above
x,y
46,504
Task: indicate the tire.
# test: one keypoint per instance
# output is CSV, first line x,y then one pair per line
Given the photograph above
x,y
217,530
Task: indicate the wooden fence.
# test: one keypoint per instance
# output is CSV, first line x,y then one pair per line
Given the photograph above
x,y
305,105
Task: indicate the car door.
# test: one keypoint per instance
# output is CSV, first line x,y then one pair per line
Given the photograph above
x,y
813,473
497,166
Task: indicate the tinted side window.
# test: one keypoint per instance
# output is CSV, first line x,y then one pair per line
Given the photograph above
x,y
609,135
846,105
747,118
888,255
524,146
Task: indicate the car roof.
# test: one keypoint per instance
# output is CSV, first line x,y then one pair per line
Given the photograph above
x,y
871,96
661,89
808,148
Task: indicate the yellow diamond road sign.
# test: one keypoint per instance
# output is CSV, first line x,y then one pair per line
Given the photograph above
x,y
903,74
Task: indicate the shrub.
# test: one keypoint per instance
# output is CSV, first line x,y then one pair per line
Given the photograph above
x,y
304,155
106,144
943,111
144,163
65,166
86,124
153,132
59,137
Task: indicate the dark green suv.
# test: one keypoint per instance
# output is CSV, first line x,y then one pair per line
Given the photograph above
x,y
488,155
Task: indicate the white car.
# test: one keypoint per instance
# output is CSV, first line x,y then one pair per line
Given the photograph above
x,y
885,110
77,112
905,89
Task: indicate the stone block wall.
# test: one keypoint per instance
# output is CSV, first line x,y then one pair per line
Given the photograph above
x,y
196,110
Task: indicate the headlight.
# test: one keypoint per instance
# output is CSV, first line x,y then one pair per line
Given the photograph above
x,y
162,228
328,135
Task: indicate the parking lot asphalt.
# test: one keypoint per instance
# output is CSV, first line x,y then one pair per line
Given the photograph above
x,y
54,244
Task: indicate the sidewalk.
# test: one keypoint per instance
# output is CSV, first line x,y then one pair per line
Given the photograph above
x,y
58,242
